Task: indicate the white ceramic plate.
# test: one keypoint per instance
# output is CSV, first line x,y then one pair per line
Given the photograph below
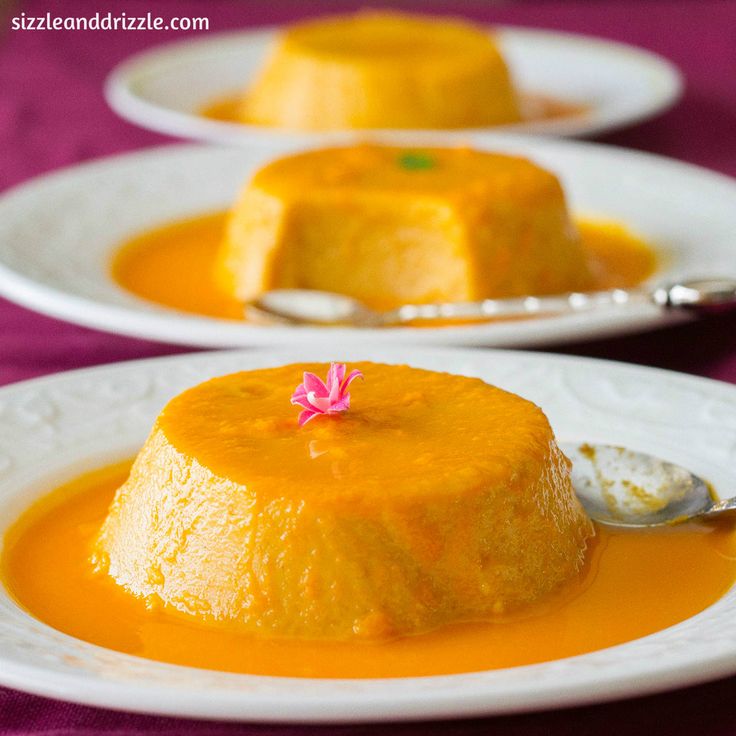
x,y
57,427
58,234
165,88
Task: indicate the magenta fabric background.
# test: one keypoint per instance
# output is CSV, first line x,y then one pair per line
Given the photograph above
x,y
52,114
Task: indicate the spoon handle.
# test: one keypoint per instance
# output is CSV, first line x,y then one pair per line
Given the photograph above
x,y
727,507
523,306
697,295
704,295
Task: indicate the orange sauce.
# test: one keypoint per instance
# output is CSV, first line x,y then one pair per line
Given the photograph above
x,y
224,109
534,107
545,107
171,264
635,583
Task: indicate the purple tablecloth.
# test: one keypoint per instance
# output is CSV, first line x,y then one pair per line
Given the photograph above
x,y
52,114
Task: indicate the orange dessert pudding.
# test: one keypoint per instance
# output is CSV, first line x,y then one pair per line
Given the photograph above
x,y
435,499
392,226
382,70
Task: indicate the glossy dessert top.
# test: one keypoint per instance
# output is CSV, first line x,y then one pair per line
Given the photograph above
x,y
460,171
409,434
388,36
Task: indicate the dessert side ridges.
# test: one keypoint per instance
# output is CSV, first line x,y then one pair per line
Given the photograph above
x,y
392,225
434,499
381,69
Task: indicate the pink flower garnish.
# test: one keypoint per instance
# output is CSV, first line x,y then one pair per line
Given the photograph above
x,y
319,398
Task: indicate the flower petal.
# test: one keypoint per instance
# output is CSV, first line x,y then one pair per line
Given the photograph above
x,y
340,405
315,384
299,393
320,403
334,379
306,415
351,377
301,401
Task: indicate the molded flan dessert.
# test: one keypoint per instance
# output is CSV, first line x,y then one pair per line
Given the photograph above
x,y
382,70
436,498
392,226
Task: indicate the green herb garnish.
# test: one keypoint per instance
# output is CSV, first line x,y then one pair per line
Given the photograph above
x,y
415,161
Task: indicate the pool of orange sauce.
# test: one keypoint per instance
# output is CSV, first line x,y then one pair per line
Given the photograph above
x,y
534,107
634,583
170,264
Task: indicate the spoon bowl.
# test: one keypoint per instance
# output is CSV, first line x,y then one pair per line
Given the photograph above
x,y
621,487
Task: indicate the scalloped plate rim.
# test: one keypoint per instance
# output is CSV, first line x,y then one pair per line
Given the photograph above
x,y
173,690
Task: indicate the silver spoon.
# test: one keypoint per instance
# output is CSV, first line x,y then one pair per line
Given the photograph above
x,y
306,306
621,487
